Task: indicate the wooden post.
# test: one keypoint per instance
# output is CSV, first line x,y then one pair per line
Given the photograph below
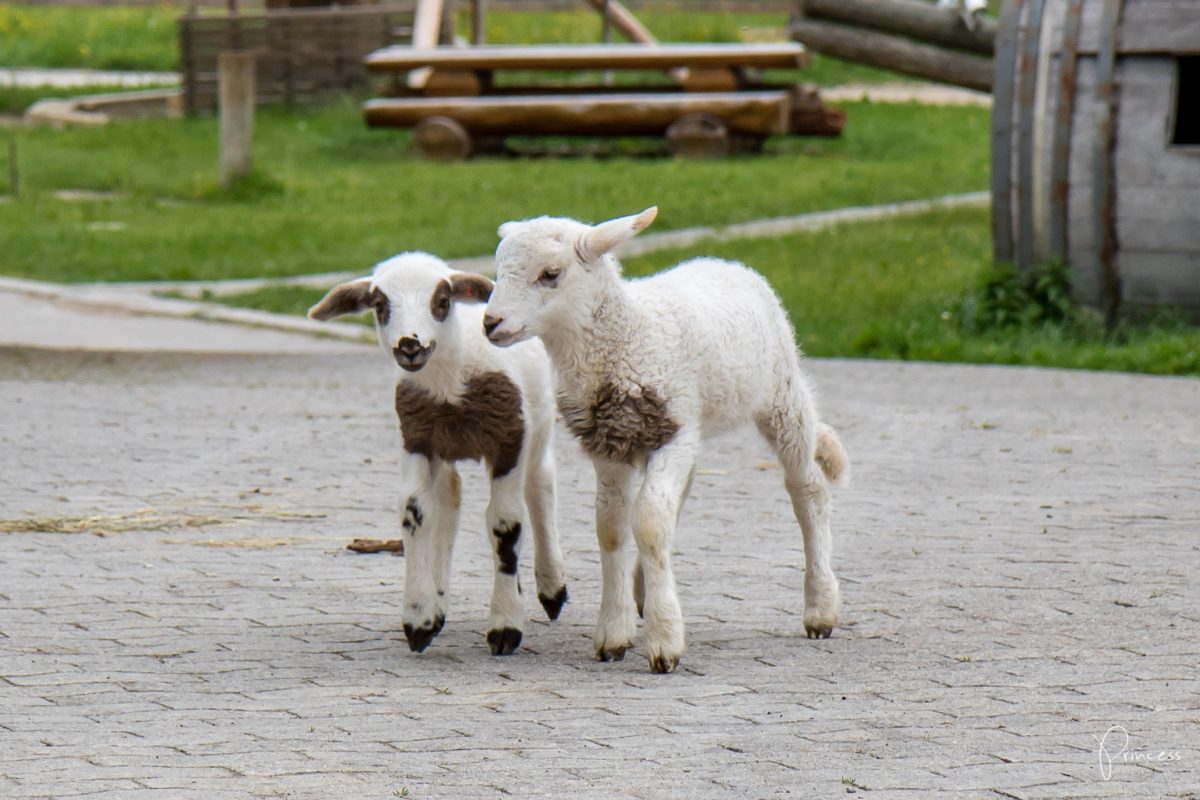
x,y
427,27
14,183
606,37
478,10
446,28
235,86
620,17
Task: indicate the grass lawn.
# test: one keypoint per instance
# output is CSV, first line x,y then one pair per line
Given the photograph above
x,y
898,289
141,38
334,195
145,37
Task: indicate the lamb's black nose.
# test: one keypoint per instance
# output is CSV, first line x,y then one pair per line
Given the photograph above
x,y
409,346
490,323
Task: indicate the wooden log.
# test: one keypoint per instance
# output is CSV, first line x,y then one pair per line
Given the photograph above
x,y
452,83
775,55
709,79
698,135
761,113
913,18
811,117
236,88
624,21
441,139
894,53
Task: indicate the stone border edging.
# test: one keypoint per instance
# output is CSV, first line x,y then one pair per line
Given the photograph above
x,y
145,305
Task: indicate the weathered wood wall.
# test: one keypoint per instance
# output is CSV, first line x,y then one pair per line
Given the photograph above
x,y
1095,183
302,54
1158,191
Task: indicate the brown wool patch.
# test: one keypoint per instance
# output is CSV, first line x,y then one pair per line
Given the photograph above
x,y
486,423
619,426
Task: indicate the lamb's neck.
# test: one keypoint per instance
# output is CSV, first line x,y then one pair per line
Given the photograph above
x,y
588,345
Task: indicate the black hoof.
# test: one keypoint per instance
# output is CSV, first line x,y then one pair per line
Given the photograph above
x,y
662,665
818,631
553,605
504,641
612,653
419,638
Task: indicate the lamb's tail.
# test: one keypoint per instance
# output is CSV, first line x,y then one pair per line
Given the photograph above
x,y
831,455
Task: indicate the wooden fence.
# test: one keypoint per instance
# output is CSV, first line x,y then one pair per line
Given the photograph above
x,y
302,54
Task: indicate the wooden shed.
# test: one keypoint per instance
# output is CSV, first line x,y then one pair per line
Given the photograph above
x,y
1096,146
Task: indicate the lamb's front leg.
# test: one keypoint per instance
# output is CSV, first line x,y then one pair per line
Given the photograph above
x,y
504,521
617,624
423,618
655,515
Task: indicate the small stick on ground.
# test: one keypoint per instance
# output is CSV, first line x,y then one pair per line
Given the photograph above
x,y
377,546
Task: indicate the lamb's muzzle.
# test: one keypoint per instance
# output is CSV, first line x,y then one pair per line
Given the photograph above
x,y
411,355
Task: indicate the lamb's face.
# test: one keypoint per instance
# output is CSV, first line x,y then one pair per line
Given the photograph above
x,y
537,271
546,267
413,297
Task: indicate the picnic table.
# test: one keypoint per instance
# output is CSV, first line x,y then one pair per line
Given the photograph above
x,y
712,99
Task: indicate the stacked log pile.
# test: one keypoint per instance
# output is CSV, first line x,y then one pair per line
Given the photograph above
x,y
917,38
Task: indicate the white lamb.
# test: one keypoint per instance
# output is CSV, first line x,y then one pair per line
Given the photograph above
x,y
646,369
457,397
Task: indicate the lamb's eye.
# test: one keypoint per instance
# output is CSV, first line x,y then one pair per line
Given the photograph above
x,y
549,277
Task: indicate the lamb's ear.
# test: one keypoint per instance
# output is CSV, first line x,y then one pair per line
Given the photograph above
x,y
507,228
602,238
470,288
349,298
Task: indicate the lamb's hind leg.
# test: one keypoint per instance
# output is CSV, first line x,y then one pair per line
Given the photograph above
x,y
548,569
448,490
639,579
790,425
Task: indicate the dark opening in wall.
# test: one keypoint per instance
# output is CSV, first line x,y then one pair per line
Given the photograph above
x,y
1187,101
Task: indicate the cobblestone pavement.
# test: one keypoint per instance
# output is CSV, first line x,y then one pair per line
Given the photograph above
x,y
1018,556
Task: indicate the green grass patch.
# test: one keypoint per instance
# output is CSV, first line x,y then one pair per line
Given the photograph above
x,y
671,23
331,194
908,289
145,37
141,38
